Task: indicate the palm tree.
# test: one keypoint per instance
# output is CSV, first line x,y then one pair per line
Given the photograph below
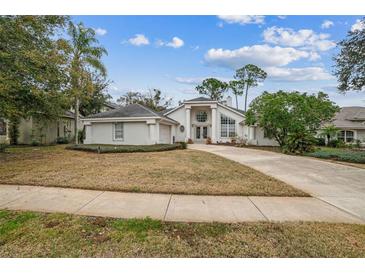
x,y
85,57
329,132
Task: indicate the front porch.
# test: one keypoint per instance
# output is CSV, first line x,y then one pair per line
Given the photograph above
x,y
201,122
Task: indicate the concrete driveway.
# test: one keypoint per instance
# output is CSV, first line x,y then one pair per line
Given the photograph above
x,y
339,185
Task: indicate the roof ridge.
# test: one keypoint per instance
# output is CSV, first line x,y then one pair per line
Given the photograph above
x,y
148,109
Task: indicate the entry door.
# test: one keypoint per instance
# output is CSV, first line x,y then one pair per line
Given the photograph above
x,y
205,132
198,135
201,133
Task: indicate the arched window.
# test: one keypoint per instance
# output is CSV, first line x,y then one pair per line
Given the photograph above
x,y
228,126
202,116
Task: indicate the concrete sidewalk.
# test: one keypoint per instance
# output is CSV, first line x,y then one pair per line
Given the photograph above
x,y
179,208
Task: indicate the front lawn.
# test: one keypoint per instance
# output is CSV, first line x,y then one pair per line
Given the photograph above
x,y
340,154
28,234
178,171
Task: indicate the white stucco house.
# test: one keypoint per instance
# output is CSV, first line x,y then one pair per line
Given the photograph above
x,y
196,119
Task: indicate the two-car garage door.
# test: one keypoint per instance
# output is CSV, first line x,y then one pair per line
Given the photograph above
x,y
165,134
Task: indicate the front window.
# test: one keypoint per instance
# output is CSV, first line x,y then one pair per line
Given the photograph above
x,y
349,136
2,127
202,116
118,131
228,126
346,136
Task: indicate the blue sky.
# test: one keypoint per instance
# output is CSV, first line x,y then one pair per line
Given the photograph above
x,y
175,53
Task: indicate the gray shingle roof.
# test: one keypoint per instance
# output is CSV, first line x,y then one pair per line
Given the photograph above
x,y
236,109
198,99
350,117
133,110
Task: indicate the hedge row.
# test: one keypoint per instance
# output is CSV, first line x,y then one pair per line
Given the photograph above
x,y
346,155
126,148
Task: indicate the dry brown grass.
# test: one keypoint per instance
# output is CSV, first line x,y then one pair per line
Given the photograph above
x,y
179,171
28,234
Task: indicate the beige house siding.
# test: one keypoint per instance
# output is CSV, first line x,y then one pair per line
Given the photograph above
x,y
45,132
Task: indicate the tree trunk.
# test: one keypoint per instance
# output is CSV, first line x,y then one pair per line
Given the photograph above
x,y
236,101
246,98
77,103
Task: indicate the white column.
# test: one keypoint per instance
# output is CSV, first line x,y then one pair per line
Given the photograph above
x,y
152,131
157,133
188,123
214,124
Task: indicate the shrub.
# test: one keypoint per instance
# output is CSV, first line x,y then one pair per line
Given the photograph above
x,y
190,141
35,143
299,143
62,140
3,147
336,143
14,130
346,155
81,135
183,145
208,141
126,148
320,141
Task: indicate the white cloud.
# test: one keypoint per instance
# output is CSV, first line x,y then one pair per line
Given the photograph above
x,y
297,74
139,40
243,19
358,25
327,24
175,42
261,55
100,31
304,38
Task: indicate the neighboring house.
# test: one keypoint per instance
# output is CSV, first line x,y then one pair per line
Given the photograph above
x,y
33,130
351,122
197,119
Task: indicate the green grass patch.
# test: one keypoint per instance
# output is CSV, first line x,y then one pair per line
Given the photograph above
x,y
9,222
340,154
125,148
27,234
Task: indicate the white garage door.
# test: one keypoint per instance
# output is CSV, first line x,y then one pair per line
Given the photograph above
x,y
165,134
